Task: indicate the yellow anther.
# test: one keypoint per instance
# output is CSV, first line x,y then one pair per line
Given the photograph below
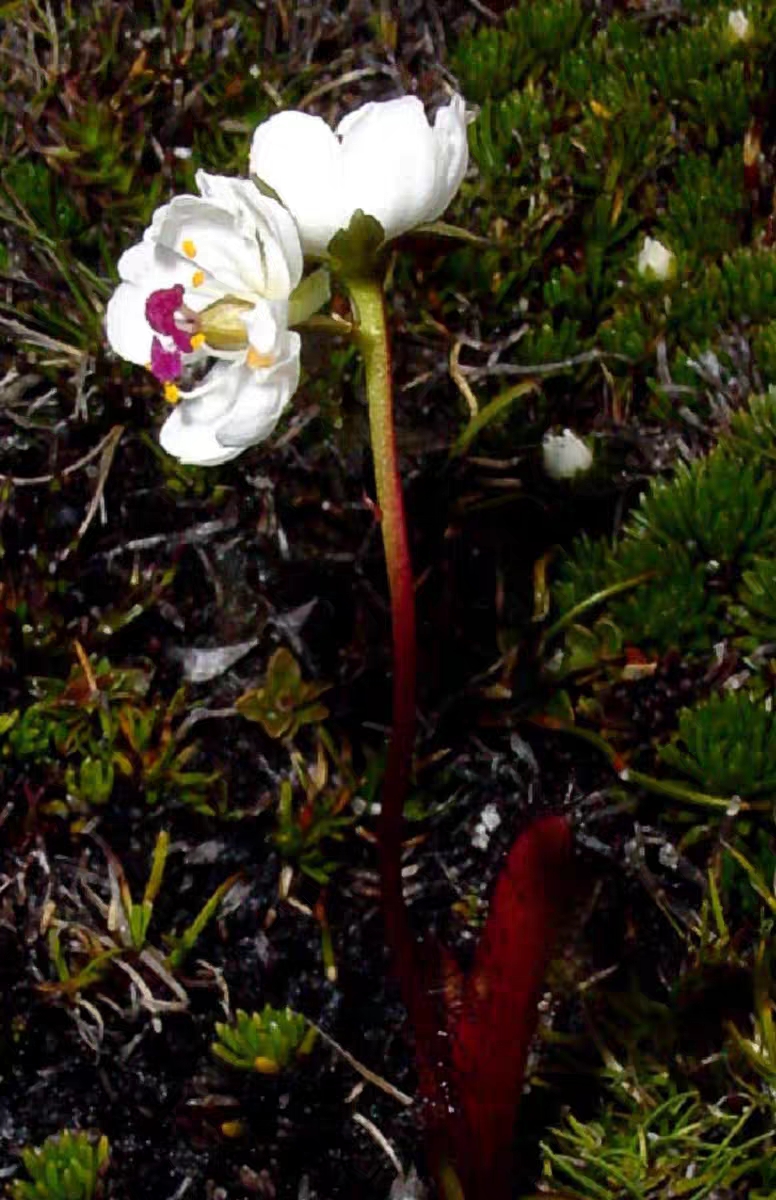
x,y
254,359
198,278
188,248
197,340
171,393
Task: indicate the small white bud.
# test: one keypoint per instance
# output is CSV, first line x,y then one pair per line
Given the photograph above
x,y
655,260
565,455
739,25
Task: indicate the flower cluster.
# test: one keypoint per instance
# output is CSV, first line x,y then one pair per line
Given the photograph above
x,y
204,299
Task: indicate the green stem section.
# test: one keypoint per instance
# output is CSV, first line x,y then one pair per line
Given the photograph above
x,y
373,341
688,795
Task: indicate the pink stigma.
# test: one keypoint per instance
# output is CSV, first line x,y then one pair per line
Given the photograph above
x,y
160,309
165,364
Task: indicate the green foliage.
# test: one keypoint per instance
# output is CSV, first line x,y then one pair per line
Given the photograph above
x,y
740,287
305,831
99,725
585,648
652,1138
674,608
582,572
586,141
693,559
75,715
38,191
509,134
717,508
756,612
706,208
82,954
97,151
728,744
764,349
267,1042
753,429
68,1166
492,62
285,702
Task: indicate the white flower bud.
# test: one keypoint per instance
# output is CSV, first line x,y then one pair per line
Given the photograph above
x,y
565,455
739,25
655,260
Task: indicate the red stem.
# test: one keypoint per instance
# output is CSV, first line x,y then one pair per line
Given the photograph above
x,y
470,1059
416,972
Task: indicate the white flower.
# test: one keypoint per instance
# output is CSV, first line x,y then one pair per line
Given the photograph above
x,y
565,455
739,25
655,260
385,159
211,279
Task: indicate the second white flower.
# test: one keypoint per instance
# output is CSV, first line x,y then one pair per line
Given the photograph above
x,y
384,158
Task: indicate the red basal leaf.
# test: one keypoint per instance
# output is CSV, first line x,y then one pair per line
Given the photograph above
x,y
498,1014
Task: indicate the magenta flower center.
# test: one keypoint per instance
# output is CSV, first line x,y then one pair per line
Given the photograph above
x,y
166,365
165,314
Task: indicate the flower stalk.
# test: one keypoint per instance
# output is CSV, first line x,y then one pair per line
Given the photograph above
x,y
470,1062
372,336
417,972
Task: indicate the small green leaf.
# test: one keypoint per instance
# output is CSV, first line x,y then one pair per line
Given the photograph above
x,y
443,229
356,252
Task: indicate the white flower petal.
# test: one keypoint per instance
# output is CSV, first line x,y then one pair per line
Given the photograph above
x,y
389,156
154,268
194,445
391,164
150,266
266,326
212,399
189,433
233,408
128,332
451,154
268,222
262,396
205,236
300,158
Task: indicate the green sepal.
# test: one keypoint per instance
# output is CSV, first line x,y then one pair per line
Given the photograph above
x,y
265,189
357,252
309,296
